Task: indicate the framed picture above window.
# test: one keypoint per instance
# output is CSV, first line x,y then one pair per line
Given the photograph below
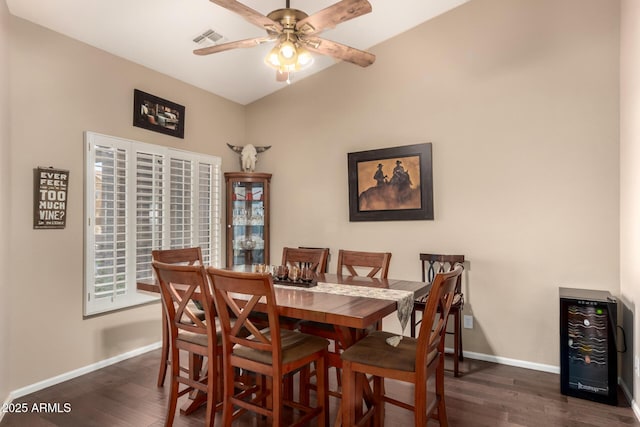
x,y
157,114
391,184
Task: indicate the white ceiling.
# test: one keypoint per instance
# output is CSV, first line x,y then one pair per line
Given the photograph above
x,y
159,35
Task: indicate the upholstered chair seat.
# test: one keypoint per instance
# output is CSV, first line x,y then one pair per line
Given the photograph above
x,y
374,350
295,345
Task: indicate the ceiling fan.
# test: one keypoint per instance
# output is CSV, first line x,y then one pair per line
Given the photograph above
x,y
295,34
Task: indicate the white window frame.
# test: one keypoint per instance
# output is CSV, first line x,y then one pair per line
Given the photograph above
x,y
129,296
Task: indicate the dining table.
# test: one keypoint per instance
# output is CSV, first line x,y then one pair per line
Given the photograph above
x,y
332,300
351,311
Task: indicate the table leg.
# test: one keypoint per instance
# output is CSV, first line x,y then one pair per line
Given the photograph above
x,y
362,389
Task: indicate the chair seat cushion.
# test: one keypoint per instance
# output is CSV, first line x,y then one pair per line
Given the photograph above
x,y
192,337
295,345
374,350
200,339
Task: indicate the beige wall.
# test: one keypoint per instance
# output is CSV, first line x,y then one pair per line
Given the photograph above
x,y
59,89
4,195
630,184
520,100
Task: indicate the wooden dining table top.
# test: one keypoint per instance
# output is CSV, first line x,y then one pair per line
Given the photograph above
x,y
340,310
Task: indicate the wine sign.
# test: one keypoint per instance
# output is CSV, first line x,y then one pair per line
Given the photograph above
x,y
50,197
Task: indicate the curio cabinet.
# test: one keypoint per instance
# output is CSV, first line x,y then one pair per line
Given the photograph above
x,y
247,218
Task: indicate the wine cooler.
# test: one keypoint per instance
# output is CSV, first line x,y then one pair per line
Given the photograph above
x,y
588,355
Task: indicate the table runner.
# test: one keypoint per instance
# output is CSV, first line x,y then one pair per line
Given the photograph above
x,y
404,299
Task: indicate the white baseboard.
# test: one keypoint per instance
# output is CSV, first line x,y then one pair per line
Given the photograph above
x,y
32,388
629,395
510,362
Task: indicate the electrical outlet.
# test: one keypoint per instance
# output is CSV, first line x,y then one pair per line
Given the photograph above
x,y
468,321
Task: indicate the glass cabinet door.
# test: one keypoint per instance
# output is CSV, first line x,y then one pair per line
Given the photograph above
x,y
247,218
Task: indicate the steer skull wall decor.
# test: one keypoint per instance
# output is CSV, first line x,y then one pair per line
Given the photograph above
x,y
248,155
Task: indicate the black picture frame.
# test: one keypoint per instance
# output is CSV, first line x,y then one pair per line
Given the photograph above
x,y
391,184
157,114
50,190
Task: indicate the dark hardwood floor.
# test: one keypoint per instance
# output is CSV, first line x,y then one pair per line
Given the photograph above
x,y
486,394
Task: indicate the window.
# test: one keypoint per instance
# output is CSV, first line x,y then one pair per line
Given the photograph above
x,y
140,197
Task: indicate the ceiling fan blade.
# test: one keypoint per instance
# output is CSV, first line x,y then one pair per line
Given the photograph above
x,y
233,45
337,50
250,15
333,15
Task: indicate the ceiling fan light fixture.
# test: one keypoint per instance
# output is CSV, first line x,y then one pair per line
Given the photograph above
x,y
287,52
272,59
304,58
288,57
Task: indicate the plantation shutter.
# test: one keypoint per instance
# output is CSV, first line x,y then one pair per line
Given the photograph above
x,y
140,197
149,210
182,212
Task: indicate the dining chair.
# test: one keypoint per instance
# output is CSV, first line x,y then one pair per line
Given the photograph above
x,y
180,287
189,256
437,263
270,353
374,264
316,259
413,360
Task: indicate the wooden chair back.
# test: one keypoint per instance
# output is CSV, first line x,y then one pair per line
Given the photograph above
x,y
189,256
247,347
316,259
420,363
228,288
192,329
432,264
376,262
183,288
434,320
436,263
326,266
